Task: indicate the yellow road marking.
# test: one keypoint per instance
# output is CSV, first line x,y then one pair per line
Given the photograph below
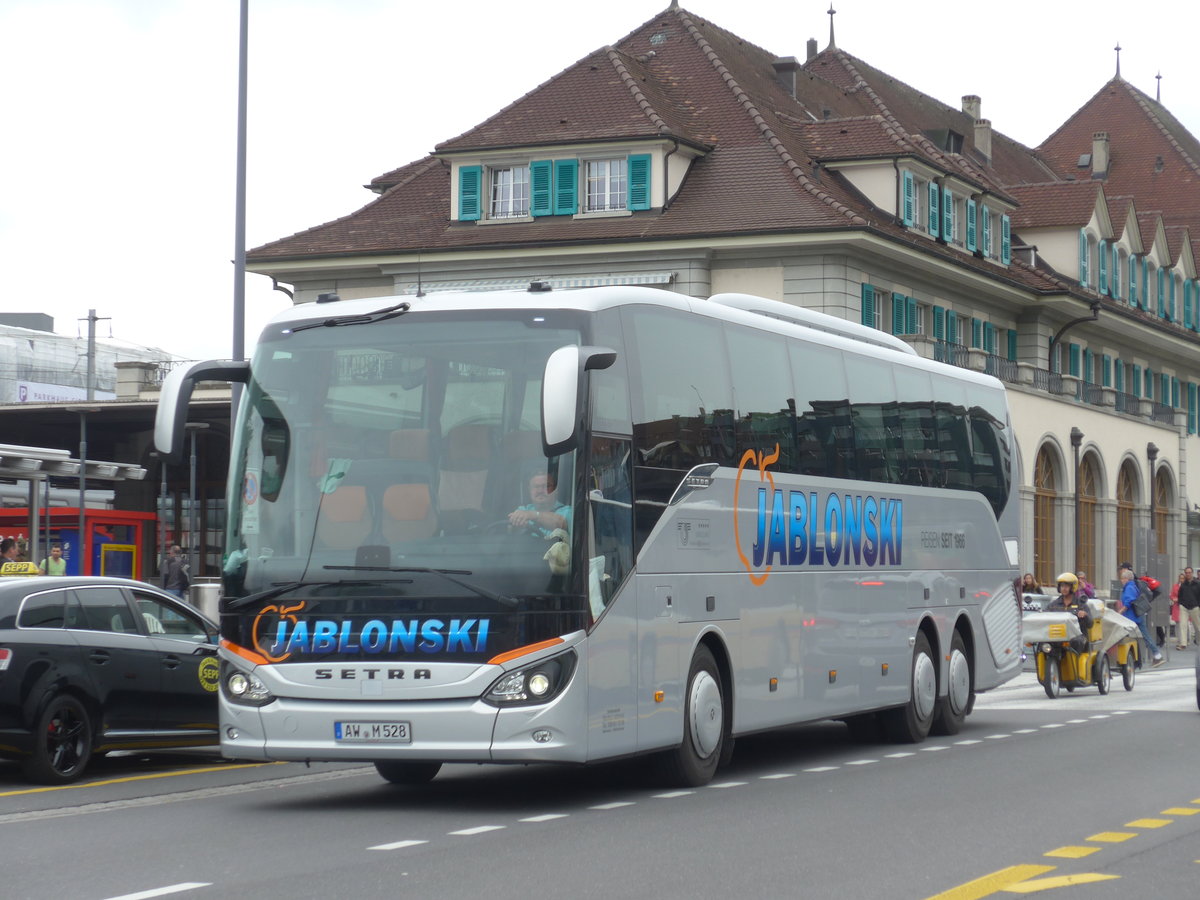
x,y
990,884
89,784
1180,811
1112,837
1047,884
1148,823
1072,852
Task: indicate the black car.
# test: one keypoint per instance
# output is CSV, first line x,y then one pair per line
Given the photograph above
x,y
89,665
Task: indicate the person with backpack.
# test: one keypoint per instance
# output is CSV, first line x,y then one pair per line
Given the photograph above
x,y
1189,608
1134,604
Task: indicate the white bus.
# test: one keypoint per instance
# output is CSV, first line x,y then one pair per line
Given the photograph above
x,y
548,526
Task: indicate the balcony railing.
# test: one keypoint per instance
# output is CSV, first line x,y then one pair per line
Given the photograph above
x,y
1160,412
955,354
1088,393
1127,403
1048,381
1004,369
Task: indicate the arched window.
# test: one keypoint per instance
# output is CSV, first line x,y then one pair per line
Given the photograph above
x,y
1045,495
1126,480
1087,533
1162,510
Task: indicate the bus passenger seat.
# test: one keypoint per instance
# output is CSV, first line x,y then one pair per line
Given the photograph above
x,y
464,468
345,518
407,513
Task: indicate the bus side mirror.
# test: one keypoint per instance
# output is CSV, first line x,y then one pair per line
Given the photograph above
x,y
177,392
563,385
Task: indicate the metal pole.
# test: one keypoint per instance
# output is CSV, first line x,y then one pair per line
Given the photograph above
x,y
239,228
79,541
1151,541
1076,440
91,358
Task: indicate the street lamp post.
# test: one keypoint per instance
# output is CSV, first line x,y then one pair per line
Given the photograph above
x,y
1151,540
193,518
1076,440
80,541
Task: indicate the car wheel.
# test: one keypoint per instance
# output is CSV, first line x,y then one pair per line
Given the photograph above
x,y
953,708
1129,670
1103,673
694,761
62,742
910,723
1053,682
407,772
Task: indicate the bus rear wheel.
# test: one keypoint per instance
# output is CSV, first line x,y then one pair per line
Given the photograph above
x,y
952,709
694,761
410,773
910,723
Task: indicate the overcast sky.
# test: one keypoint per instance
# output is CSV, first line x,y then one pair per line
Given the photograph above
x,y
118,157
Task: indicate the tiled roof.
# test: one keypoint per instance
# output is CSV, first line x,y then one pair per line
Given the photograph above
x,y
1056,204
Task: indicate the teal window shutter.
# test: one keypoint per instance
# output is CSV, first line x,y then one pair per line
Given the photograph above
x,y
1133,281
898,314
868,305
1083,258
639,181
1191,402
1089,366
1148,384
910,315
1114,280
1102,258
908,199
1171,305
1012,344
1187,305
566,187
470,193
1105,370
1175,392
939,323
1119,373
1073,359
976,333
541,187
972,225
935,219
985,229
1145,284
1005,240
989,338
1135,387
947,215
1161,285
951,327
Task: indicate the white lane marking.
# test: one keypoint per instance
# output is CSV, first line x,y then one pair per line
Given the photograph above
x,y
822,769
1101,716
1121,712
728,784
615,805
778,775
996,737
478,829
967,743
544,818
861,762
1053,725
672,795
397,845
1076,721
163,891
934,749
1025,731
901,754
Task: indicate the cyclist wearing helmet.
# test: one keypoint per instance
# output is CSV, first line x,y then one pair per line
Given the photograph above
x,y
1070,600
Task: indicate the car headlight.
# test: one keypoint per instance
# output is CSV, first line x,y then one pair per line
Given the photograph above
x,y
243,688
537,683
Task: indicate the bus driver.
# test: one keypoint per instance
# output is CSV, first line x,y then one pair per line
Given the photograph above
x,y
543,513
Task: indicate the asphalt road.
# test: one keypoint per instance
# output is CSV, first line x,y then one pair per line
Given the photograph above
x,y
1084,796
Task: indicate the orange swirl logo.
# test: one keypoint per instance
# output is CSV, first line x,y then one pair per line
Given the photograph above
x,y
759,460
271,617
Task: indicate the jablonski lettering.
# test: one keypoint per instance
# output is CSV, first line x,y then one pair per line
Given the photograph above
x,y
298,637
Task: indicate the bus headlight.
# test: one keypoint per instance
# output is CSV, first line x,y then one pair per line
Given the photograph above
x,y
538,683
243,688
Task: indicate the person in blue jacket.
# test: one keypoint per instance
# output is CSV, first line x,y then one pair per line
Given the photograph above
x,y
1127,606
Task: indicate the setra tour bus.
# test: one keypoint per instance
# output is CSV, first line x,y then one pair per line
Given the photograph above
x,y
571,526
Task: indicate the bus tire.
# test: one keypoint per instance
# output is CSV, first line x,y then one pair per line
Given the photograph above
x,y
694,762
910,723
952,710
410,773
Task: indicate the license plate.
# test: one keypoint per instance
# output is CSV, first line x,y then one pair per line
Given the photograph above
x,y
373,732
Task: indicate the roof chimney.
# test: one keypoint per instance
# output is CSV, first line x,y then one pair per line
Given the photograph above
x,y
1100,154
983,139
812,48
972,106
786,68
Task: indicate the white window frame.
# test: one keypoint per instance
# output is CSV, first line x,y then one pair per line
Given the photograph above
x,y
605,184
508,189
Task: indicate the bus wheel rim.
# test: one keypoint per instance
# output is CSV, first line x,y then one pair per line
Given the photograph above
x,y
707,714
924,686
960,682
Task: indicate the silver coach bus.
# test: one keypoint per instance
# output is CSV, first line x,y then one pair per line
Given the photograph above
x,y
552,526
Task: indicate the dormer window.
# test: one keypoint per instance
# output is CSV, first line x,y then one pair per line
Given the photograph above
x,y
607,184
509,192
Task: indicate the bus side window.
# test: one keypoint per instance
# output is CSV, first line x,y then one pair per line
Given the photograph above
x,y
610,496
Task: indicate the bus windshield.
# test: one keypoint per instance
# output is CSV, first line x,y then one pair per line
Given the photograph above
x,y
405,453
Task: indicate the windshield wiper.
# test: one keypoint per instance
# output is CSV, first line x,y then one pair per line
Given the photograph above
x,y
388,312
278,589
448,574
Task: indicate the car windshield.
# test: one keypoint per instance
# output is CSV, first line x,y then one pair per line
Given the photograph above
x,y
406,451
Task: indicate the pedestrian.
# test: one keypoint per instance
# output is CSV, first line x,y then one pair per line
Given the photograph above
x,y
1029,584
1135,606
175,579
1086,588
54,564
1189,609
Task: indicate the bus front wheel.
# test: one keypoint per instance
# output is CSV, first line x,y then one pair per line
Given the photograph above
x,y
407,772
910,724
694,761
